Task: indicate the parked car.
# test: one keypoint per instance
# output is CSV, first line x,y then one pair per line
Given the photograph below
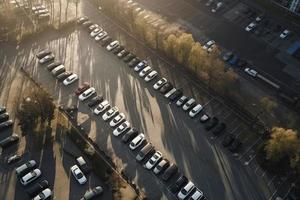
x,y
38,7
160,83
251,27
145,71
234,60
242,63
189,104
129,57
145,151
43,53
45,194
209,2
82,164
182,100
153,160
2,109
79,176
121,128
37,188
179,183
47,58
165,88
86,94
93,193
25,168
151,76
6,125
235,145
196,110
219,129
58,70
285,33
101,107
110,113
218,7
170,92
161,166
101,35
51,66
112,45
9,141
87,23
4,117
105,41
82,88
93,26
137,141
140,65
186,190
30,177
117,50
96,31
132,133
211,123
204,118
64,75
71,79
13,159
95,100
134,62
251,72
122,53
117,120
208,44
169,172
82,19
176,95
45,16
227,56
197,195
228,140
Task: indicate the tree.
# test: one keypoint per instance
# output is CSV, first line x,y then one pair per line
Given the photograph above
x,y
169,45
183,46
196,57
295,162
268,104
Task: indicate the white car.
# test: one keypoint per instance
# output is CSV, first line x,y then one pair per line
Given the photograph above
x,y
86,94
47,58
208,44
137,141
285,33
38,7
197,195
250,27
209,2
211,48
197,109
101,107
153,160
30,177
181,101
71,79
172,91
117,119
163,164
145,71
25,167
186,190
39,12
251,72
92,27
79,176
45,194
112,45
95,32
159,83
110,113
188,104
122,128
218,6
101,35
151,76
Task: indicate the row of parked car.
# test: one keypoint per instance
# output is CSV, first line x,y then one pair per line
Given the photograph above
x,y
152,159
5,122
39,11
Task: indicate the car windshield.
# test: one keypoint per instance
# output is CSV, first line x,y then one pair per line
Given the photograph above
x,y
117,118
184,191
42,196
151,161
79,175
71,78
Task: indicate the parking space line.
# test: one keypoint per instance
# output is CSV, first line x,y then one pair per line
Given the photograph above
x,y
256,142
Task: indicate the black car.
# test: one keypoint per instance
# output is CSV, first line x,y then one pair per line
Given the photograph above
x,y
235,145
106,41
219,129
166,87
122,53
4,117
180,182
42,54
117,49
134,62
10,140
2,109
170,171
5,125
64,75
176,95
95,100
212,123
51,66
132,133
129,57
242,63
228,140
37,188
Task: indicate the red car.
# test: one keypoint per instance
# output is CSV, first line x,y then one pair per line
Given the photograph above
x,y
82,88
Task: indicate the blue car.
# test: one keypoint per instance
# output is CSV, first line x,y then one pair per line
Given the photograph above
x,y
234,60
